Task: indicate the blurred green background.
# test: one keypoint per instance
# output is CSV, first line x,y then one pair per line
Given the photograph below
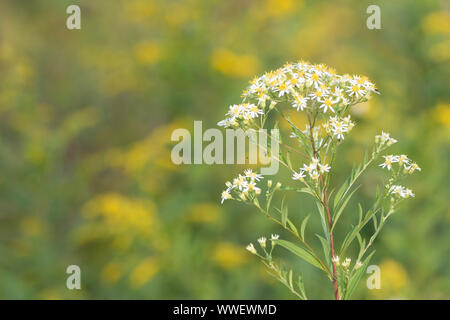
x,y
86,118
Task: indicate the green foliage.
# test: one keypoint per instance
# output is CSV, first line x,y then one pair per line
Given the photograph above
x,y
86,120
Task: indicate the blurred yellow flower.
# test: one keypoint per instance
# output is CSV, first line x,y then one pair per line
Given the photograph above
x,y
437,23
112,272
275,8
440,51
144,272
121,213
140,10
442,114
179,13
32,227
394,280
228,255
22,71
148,53
234,65
152,150
35,153
204,213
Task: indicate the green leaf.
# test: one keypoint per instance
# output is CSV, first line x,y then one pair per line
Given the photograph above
x,y
290,280
303,226
306,190
362,245
284,212
338,196
288,159
360,213
325,247
346,239
292,226
342,207
302,253
356,172
269,200
323,219
301,286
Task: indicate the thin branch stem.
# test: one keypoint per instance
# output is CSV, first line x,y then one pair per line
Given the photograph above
x,y
268,215
327,208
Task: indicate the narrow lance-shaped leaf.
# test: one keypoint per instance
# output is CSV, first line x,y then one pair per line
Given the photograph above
x,y
288,159
302,253
356,172
292,226
341,208
362,245
284,213
326,248
360,213
323,220
291,284
301,286
303,226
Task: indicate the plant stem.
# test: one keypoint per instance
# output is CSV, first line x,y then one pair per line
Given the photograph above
x,y
330,223
327,208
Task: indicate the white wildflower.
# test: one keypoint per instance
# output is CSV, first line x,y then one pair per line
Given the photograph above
x,y
226,195
324,168
314,175
335,260
346,262
403,160
326,103
388,161
274,237
298,175
262,242
413,167
253,175
251,248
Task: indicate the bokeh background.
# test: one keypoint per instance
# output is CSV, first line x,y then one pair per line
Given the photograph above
x,y
86,118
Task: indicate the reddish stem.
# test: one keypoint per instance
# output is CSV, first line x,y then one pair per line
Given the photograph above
x,y
330,221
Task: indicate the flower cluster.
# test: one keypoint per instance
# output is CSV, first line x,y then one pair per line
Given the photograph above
x,y
262,242
401,192
325,98
385,138
346,263
308,86
244,186
338,126
314,170
402,160
240,114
